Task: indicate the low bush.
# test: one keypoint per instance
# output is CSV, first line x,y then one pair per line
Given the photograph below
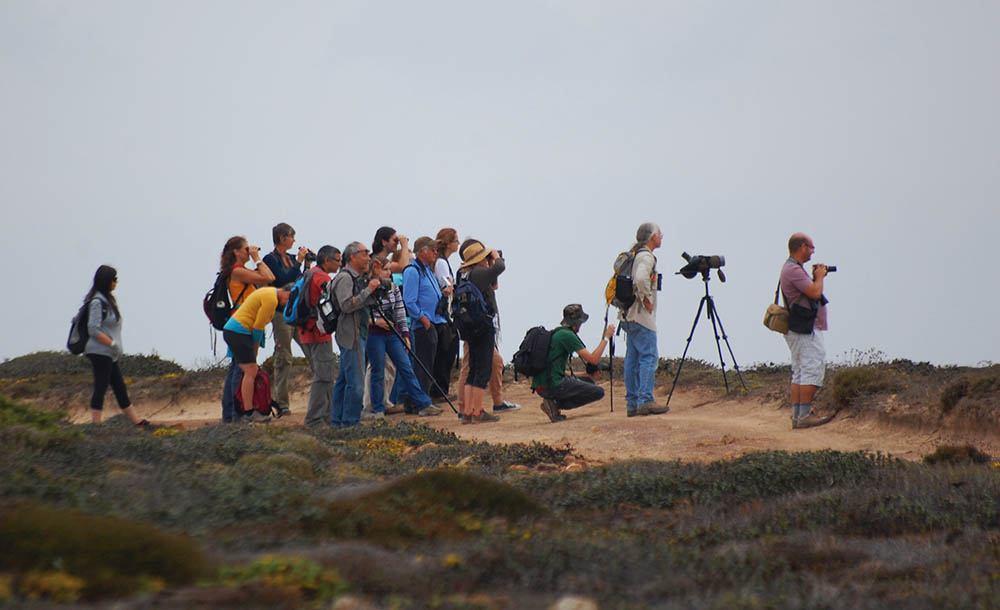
x,y
111,556
64,363
297,576
853,383
957,455
429,505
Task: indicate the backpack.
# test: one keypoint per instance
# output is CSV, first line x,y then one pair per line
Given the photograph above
x,y
620,290
469,310
297,309
327,309
216,302
78,333
261,395
532,356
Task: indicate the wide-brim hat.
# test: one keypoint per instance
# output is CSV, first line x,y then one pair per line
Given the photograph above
x,y
573,315
473,254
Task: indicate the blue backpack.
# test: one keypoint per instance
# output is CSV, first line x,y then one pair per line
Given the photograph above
x,y
469,310
297,310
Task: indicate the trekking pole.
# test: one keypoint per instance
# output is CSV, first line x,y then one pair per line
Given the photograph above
x,y
611,360
392,327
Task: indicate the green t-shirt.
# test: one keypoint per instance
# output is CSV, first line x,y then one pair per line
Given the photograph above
x,y
564,344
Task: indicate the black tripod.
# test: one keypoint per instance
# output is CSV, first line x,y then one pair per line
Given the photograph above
x,y
713,314
392,327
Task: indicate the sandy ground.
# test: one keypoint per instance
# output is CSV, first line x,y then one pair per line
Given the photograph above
x,y
700,426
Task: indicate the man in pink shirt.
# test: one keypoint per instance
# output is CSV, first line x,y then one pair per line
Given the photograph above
x,y
804,298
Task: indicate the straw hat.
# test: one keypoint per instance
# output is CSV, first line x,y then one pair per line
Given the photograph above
x,y
473,254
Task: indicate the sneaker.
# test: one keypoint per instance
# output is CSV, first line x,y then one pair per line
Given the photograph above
x,y
505,406
810,421
409,408
257,417
280,412
651,408
394,409
633,413
372,415
551,410
430,410
485,417
466,419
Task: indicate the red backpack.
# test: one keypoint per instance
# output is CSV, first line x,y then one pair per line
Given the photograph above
x,y
261,394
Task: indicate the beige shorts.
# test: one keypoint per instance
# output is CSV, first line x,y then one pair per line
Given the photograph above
x,y
808,358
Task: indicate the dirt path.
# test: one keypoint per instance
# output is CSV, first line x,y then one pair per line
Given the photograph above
x,y
699,427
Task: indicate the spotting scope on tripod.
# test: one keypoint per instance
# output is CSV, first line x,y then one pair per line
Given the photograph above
x,y
703,265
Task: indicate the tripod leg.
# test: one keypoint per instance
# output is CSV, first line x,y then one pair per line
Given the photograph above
x,y
725,338
691,334
712,315
414,356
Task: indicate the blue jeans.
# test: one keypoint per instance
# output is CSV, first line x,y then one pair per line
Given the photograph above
x,y
233,376
348,392
640,365
406,381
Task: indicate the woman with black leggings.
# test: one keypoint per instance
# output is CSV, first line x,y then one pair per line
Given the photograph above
x,y
104,349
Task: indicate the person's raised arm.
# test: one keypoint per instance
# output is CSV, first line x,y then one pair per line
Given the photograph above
x,y
595,356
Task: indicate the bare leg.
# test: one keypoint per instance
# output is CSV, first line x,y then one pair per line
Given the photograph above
x,y
807,393
95,416
246,386
131,415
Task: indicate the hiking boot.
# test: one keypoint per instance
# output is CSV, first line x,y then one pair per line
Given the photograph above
x,y
430,410
257,418
651,408
505,406
466,419
394,409
551,410
485,417
810,421
634,413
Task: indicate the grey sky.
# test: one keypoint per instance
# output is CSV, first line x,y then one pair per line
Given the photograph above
x,y
143,135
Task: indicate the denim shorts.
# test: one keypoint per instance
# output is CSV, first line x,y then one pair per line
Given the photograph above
x,y
808,358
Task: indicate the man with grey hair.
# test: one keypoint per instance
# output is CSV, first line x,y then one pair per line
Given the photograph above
x,y
639,322
317,345
353,294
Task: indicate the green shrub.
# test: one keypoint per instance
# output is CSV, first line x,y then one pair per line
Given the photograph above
x,y
112,556
954,392
429,505
306,578
288,463
13,413
64,363
957,455
853,383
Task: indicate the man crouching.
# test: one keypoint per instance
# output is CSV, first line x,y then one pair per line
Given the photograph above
x,y
558,392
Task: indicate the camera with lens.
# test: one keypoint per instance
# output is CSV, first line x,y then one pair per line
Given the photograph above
x,y
600,366
310,256
702,263
829,268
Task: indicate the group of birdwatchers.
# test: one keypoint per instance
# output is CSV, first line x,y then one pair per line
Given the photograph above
x,y
396,336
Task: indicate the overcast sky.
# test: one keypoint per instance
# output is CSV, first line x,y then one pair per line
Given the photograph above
x,y
144,134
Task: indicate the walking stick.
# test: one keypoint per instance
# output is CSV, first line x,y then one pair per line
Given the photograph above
x,y
611,360
392,327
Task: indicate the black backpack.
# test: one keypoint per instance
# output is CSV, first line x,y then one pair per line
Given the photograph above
x,y
532,356
216,302
78,332
469,310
